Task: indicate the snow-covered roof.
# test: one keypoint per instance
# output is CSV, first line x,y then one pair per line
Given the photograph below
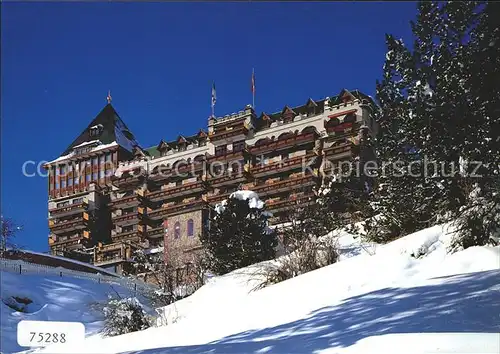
x,y
71,154
87,143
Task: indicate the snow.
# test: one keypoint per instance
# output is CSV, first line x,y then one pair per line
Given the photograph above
x,y
409,296
71,154
130,166
54,299
98,269
87,143
253,200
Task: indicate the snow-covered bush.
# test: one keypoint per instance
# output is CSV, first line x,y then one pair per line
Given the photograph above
x,y
478,223
311,254
125,316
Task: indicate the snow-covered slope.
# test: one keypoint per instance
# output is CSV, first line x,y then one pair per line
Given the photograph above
x,y
408,296
54,299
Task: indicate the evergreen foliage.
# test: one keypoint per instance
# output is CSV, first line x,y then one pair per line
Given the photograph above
x,y
238,236
439,113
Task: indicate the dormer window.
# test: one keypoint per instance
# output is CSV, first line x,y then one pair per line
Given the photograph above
x,y
96,130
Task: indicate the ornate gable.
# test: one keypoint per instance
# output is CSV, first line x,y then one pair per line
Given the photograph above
x,y
288,114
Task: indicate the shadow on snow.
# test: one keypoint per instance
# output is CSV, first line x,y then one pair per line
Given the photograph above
x,y
462,303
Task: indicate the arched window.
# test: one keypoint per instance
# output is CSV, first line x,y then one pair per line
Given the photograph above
x,y
190,227
177,230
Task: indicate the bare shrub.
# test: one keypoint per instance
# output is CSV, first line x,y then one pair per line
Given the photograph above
x,y
311,254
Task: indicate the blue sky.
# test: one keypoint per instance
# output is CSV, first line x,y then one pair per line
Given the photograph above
x,y
159,60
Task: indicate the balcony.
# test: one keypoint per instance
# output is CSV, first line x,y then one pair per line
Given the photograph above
x,y
217,198
195,167
292,141
232,178
338,152
225,133
102,260
276,206
281,166
160,173
76,223
68,209
177,191
133,235
68,241
127,219
125,202
156,232
129,177
285,185
228,156
176,209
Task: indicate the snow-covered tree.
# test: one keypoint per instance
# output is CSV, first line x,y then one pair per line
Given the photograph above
x,y
238,234
124,316
436,112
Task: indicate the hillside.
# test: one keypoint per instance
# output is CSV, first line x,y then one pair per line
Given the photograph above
x,y
53,299
406,296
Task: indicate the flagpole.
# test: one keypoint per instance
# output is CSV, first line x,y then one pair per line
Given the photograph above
x,y
253,89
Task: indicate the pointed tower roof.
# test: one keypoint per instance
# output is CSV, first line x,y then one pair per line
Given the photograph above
x,y
107,127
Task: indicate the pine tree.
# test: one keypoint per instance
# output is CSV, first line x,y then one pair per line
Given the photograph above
x,y
238,236
427,120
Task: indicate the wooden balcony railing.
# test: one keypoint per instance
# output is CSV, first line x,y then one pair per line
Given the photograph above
x,y
176,191
288,184
129,218
125,201
127,235
79,222
228,156
156,232
68,209
231,178
279,166
55,241
224,134
288,203
175,208
284,143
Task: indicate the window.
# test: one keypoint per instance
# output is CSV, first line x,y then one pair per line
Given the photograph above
x,y
77,200
63,170
76,181
238,146
87,178
177,230
94,176
70,182
101,174
70,168
220,150
62,204
63,183
57,184
94,161
190,227
108,156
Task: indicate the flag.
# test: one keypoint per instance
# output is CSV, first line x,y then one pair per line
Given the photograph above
x,y
253,82
214,97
